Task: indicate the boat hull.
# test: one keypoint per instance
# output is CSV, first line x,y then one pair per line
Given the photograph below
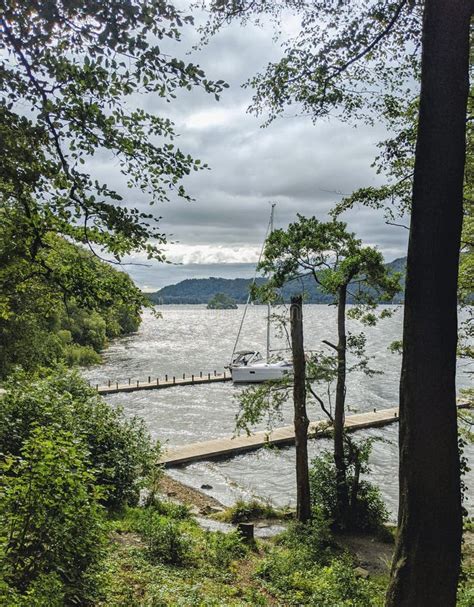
x,y
259,373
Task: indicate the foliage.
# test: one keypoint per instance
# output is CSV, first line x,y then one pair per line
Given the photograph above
x,y
338,584
465,596
175,511
119,450
300,580
52,534
368,512
211,580
46,589
313,539
298,567
166,542
247,511
68,77
221,549
261,402
334,258
64,305
338,60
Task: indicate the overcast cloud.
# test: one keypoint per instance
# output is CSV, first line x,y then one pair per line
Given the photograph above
x,y
299,165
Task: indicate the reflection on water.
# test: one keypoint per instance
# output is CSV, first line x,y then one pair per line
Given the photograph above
x,y
190,339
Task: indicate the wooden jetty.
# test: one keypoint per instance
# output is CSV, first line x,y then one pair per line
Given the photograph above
x,y
167,382
281,437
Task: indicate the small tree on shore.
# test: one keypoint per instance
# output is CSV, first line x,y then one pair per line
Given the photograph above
x,y
341,266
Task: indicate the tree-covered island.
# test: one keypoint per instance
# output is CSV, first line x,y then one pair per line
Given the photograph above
x,y
221,301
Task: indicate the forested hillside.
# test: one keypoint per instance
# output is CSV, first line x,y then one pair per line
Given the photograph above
x,y
202,290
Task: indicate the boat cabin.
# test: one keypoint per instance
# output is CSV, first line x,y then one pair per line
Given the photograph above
x,y
245,357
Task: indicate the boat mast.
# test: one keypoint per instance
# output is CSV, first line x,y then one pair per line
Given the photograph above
x,y
269,230
268,304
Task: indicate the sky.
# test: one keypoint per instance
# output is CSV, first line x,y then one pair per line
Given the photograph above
x,y
303,167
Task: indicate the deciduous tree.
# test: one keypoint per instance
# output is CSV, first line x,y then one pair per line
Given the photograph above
x,y
340,265
349,60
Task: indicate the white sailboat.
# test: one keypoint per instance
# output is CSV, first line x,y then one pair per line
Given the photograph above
x,y
249,366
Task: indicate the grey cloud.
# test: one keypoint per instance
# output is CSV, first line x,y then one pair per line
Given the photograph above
x,y
296,163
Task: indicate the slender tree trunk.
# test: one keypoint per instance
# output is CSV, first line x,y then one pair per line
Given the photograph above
x,y
303,501
339,459
426,564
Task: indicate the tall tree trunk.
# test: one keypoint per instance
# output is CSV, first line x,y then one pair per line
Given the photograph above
x,y
426,564
303,502
339,414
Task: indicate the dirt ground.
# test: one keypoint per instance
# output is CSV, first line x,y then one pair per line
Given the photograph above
x,y
372,554
194,498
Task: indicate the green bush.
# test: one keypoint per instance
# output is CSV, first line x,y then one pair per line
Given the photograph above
x,y
302,582
338,585
466,595
223,548
368,511
243,511
52,531
80,356
166,542
178,512
120,450
46,591
299,551
312,539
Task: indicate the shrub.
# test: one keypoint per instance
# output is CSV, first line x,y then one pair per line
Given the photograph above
x,y
166,542
466,591
312,539
368,512
83,356
52,527
223,548
243,511
338,585
303,582
120,450
46,591
178,512
299,551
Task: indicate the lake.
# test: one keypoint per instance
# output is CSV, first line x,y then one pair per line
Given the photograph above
x,y
190,339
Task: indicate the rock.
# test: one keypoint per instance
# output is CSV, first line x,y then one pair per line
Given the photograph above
x,y
206,486
361,572
171,493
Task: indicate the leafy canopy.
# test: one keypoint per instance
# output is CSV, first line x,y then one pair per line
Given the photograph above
x,y
69,73
352,60
333,256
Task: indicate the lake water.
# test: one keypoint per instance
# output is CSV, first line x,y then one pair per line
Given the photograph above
x,y
190,339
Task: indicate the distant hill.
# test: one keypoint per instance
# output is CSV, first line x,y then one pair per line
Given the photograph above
x,y
202,290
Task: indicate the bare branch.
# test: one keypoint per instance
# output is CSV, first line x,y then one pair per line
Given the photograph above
x,y
328,343
321,403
